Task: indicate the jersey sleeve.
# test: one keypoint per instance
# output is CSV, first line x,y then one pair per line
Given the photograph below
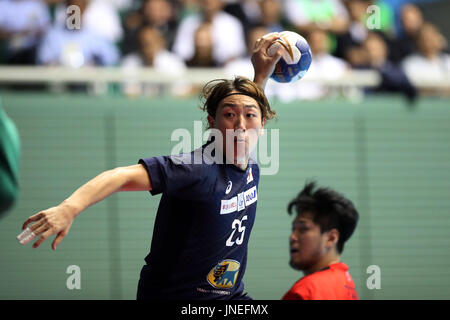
x,y
188,181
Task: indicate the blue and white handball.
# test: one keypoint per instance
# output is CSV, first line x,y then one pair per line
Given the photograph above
x,y
295,60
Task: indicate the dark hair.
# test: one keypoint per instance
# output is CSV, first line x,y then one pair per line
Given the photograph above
x,y
330,210
216,90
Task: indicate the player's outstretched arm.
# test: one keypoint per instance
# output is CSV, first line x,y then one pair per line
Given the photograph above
x,y
264,64
58,220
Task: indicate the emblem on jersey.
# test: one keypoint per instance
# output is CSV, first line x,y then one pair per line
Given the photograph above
x,y
224,274
230,185
249,176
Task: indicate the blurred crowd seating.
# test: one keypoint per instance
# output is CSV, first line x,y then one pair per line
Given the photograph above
x,y
394,39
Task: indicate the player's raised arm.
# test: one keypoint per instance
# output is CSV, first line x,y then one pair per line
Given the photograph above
x,y
58,220
264,64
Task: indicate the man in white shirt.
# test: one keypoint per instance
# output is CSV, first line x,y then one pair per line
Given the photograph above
x,y
78,47
100,16
430,62
152,53
227,33
323,66
22,23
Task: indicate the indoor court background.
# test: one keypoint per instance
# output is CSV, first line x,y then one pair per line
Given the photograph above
x,y
391,160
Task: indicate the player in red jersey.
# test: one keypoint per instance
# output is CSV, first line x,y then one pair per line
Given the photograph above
x,y
325,221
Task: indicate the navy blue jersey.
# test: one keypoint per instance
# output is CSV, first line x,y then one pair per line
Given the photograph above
x,y
202,228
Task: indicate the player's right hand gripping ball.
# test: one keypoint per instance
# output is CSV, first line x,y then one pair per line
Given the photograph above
x,y
295,60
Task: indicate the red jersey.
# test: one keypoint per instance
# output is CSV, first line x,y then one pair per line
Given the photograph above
x,y
332,283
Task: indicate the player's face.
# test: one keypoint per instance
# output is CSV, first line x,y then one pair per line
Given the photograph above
x,y
239,117
307,243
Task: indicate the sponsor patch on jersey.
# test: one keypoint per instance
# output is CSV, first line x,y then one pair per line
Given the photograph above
x,y
224,274
250,196
239,202
249,176
228,206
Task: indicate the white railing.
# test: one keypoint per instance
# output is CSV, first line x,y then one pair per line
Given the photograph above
x,y
9,74
98,77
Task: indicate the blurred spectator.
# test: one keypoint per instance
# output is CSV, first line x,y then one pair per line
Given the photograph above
x,y
131,24
159,14
252,11
258,12
396,7
203,43
349,41
357,57
323,66
431,62
308,15
243,66
393,78
78,47
152,53
122,4
227,33
22,24
376,50
116,4
271,15
234,8
411,18
187,8
100,17
411,21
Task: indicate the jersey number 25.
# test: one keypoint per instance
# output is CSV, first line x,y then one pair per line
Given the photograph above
x,y
237,225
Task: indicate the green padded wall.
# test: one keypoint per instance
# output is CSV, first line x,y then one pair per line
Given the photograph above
x,y
393,163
